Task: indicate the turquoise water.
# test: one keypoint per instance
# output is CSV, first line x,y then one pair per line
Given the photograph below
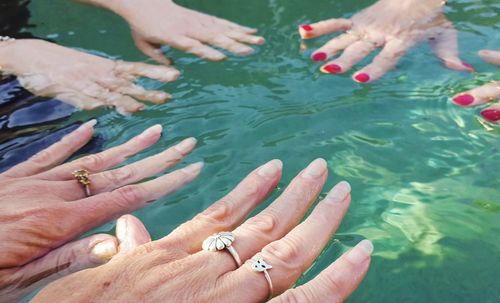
x,y
425,173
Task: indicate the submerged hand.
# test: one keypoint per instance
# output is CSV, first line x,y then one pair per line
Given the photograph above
x,y
83,80
43,208
395,26
489,92
175,269
162,22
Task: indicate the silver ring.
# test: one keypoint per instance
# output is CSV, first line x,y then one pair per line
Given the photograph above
x,y
259,265
221,241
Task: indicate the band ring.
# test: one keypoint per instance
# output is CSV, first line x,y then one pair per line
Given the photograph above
x,y
259,265
82,176
221,241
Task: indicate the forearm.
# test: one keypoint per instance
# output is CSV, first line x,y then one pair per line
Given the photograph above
x,y
120,7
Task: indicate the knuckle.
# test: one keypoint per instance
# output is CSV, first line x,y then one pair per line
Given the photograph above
x,y
42,158
219,214
119,176
93,162
264,223
127,195
332,286
285,250
294,296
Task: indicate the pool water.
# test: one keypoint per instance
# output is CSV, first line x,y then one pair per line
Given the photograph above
x,y
424,172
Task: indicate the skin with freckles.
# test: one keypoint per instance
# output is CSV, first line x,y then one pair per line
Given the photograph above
x,y
160,271
488,93
83,80
43,208
162,22
392,25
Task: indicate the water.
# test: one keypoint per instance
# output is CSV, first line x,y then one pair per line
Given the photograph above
x,y
425,173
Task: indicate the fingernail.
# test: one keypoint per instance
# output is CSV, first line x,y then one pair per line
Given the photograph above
x,y
464,99
104,251
362,78
156,129
193,169
90,124
321,56
331,68
468,66
315,169
121,228
339,192
360,252
270,169
306,27
186,145
491,115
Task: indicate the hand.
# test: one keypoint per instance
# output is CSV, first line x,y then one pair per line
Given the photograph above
x,y
174,269
43,208
83,80
392,25
484,94
161,22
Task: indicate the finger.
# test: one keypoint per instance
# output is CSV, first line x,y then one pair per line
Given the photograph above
x,y
492,113
246,38
229,211
351,55
490,56
333,46
385,61
337,282
157,72
229,44
238,27
138,92
108,158
123,104
197,48
140,170
445,46
276,220
479,95
102,208
308,31
55,154
130,233
67,259
81,100
150,49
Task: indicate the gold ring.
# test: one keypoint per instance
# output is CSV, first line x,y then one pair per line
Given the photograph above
x,y
82,176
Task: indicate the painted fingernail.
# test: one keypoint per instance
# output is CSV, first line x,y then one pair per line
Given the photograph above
x,y
468,66
193,169
306,27
90,124
321,56
315,169
331,68
362,78
360,252
270,169
464,99
104,251
155,129
186,145
339,192
492,115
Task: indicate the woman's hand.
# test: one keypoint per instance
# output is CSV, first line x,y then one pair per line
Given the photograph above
x,y
43,208
162,22
83,80
395,26
487,93
175,269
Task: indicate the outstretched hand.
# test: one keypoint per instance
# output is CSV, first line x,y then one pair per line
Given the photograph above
x,y
83,80
487,93
43,208
175,269
395,26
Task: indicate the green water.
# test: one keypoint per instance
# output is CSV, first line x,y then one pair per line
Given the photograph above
x,y
425,173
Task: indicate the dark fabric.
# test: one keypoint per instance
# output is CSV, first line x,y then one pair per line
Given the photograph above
x,y
14,18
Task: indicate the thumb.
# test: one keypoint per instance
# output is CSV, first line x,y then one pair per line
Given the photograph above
x,y
150,49
130,233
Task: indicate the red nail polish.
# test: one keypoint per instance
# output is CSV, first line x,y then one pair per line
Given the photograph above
x,y
468,66
464,99
491,115
306,27
319,56
332,68
362,78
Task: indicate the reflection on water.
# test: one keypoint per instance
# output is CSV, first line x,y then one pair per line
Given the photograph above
x,y
424,172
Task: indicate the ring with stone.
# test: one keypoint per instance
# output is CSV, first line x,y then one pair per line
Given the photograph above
x,y
221,241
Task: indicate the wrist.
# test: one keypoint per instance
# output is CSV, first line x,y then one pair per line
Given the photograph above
x,y
121,7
